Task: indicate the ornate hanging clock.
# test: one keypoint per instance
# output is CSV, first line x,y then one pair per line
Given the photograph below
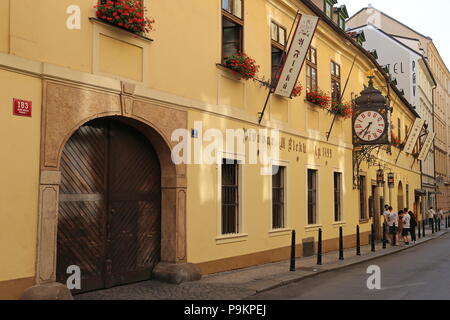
x,y
371,118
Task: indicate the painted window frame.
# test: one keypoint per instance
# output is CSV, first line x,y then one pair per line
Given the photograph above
x,y
312,65
362,196
230,17
341,197
335,78
241,233
285,217
317,198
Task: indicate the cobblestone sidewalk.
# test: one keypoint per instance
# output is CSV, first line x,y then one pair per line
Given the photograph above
x,y
242,284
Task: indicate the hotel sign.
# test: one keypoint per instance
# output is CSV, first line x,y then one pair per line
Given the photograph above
x,y
296,55
414,135
427,146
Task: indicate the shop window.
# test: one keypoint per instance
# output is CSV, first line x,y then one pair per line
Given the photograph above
x,y
311,70
230,197
312,197
232,27
337,196
278,198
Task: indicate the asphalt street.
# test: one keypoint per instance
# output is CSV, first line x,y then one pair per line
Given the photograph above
x,y
422,273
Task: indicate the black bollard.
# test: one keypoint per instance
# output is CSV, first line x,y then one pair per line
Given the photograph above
x,y
319,249
394,237
423,229
341,244
293,253
419,230
432,226
358,242
446,223
384,236
372,237
439,224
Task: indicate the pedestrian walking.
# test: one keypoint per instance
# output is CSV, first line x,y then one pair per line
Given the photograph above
x,y
400,225
406,223
385,222
441,216
413,226
393,224
431,213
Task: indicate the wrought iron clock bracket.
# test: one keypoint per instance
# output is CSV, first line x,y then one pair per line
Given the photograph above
x,y
364,154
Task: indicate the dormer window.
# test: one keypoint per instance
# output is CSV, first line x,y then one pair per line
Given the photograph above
x,y
341,23
328,9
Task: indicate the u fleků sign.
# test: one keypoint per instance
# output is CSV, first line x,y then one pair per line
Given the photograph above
x,y
22,108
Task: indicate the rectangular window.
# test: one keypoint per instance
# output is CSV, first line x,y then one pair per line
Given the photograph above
x,y
232,27
311,70
278,198
362,198
335,81
341,23
312,197
278,36
399,129
337,196
328,9
230,197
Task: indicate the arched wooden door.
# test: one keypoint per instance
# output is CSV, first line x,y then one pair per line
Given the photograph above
x,y
109,220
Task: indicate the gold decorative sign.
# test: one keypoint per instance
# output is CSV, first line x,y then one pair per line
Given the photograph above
x,y
414,135
427,146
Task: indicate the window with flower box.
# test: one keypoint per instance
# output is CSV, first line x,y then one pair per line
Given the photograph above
x,y
335,82
311,70
278,36
232,27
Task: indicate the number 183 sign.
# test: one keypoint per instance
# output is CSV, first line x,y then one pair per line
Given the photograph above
x,y
22,108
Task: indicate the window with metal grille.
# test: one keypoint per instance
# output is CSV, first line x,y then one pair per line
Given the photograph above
x,y
278,196
337,196
230,196
232,27
312,197
311,70
362,198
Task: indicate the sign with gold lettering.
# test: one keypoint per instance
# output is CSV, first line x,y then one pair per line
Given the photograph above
x,y
427,146
414,135
295,58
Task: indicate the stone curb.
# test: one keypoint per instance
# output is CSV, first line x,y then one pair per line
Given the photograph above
x,y
340,267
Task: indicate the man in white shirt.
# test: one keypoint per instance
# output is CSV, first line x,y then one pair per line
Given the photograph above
x,y
431,215
393,224
406,227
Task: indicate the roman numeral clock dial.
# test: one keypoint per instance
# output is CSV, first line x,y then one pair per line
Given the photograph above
x,y
369,126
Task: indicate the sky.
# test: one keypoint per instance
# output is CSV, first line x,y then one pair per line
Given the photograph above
x,y
430,18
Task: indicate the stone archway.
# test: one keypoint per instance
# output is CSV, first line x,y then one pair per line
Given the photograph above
x,y
65,109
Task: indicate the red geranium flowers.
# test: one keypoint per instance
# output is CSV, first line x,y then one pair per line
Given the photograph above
x,y
126,14
318,97
242,64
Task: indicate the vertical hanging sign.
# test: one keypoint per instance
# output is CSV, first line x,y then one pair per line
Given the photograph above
x,y
426,146
414,135
296,55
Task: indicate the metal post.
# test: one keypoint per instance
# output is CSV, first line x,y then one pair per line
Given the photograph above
x,y
372,237
384,235
341,244
439,224
433,223
394,238
293,252
358,242
423,229
419,230
319,249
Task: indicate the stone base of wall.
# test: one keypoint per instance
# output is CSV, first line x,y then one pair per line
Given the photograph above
x,y
13,289
276,255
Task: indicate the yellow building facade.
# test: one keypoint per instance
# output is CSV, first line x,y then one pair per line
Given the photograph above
x,y
172,79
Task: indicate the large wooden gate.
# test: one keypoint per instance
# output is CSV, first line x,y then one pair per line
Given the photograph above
x,y
109,220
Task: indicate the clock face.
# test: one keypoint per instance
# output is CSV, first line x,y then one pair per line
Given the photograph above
x,y
369,126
